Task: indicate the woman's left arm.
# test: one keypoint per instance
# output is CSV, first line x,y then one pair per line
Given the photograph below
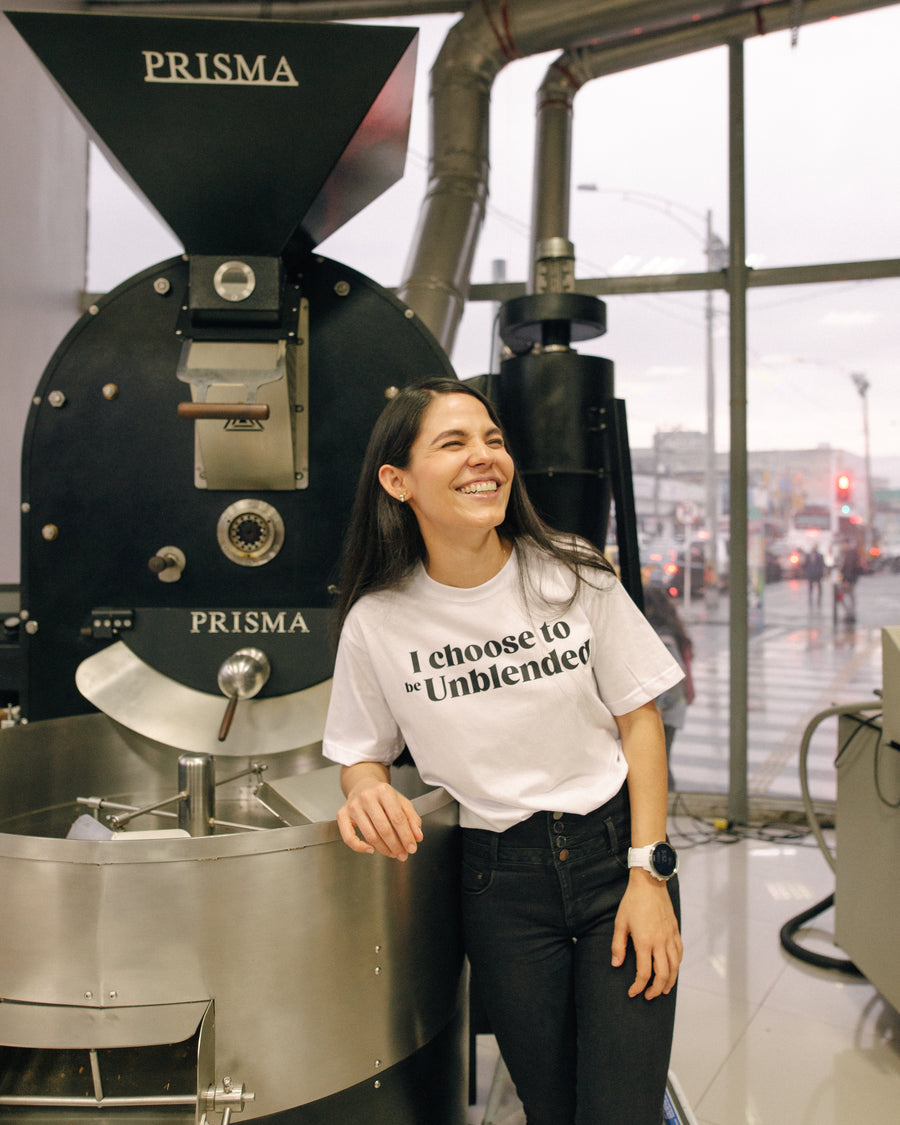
x,y
646,914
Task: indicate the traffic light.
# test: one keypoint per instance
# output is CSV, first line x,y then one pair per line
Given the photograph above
x,y
844,484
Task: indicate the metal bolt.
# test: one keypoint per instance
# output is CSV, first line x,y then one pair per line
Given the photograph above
x,y
110,391
49,531
342,288
162,285
56,398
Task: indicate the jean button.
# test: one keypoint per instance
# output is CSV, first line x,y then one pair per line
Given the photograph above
x,y
560,841
564,855
558,815
558,825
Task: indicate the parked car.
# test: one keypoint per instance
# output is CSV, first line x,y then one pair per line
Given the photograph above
x,y
886,556
790,560
662,564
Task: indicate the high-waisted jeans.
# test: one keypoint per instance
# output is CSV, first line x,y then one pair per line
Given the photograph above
x,y
539,906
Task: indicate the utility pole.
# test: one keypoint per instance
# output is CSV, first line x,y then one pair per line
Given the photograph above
x,y
716,259
862,385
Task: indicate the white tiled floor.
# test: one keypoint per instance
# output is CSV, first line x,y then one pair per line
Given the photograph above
x,y
761,1037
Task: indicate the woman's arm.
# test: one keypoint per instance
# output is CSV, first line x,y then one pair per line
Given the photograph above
x,y
645,913
385,818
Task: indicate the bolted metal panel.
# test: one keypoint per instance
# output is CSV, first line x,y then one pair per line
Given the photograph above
x,y
113,471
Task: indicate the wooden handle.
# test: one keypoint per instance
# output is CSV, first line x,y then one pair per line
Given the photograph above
x,y
257,411
227,718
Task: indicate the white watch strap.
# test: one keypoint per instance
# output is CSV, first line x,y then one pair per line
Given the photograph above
x,y
640,857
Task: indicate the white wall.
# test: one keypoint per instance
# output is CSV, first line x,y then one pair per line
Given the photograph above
x,y
43,229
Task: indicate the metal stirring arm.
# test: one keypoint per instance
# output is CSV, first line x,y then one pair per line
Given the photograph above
x,y
196,776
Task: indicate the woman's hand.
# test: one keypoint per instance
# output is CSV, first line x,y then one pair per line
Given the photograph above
x,y
375,811
646,916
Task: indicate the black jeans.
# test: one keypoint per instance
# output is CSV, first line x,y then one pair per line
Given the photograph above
x,y
539,905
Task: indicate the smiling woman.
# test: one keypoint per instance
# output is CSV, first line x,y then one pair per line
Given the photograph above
x,y
453,589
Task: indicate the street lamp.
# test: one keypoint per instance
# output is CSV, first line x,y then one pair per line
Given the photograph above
x,y
716,260
862,385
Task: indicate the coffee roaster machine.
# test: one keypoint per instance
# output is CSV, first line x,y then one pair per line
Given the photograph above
x,y
184,935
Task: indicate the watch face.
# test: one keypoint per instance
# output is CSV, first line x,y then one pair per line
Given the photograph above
x,y
664,860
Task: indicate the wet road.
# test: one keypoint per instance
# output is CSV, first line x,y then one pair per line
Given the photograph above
x,y
802,659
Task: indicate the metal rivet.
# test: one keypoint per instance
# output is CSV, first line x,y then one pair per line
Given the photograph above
x,y
162,285
31,627
377,1063
377,948
93,310
26,507
49,531
409,314
36,400
342,288
377,1084
89,996
114,995
56,398
110,391
391,392
377,970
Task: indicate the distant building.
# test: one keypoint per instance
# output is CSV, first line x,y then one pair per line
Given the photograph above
x,y
793,493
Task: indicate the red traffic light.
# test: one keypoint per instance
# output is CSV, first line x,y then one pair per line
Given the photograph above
x,y
843,487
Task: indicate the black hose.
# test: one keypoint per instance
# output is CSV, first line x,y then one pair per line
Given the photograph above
x,y
820,960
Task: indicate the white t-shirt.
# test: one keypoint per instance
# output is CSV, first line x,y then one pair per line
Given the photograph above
x,y
509,709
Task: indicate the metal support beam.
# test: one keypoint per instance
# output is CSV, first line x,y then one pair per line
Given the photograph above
x,y
738,804
872,270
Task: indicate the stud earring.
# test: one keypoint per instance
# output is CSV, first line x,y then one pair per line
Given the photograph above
x,y
403,497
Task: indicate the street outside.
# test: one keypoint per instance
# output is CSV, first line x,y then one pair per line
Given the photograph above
x,y
803,658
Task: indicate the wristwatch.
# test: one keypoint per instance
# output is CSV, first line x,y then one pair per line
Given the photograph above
x,y
660,859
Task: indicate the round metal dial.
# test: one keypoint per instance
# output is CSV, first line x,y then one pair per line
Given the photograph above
x,y
250,532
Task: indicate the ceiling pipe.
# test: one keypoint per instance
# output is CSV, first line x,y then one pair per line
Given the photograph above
x,y
496,32
571,70
436,275
304,10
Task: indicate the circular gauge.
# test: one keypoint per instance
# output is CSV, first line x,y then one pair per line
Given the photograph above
x,y
234,281
250,532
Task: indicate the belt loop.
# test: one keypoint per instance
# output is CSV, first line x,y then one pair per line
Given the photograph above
x,y
612,835
495,847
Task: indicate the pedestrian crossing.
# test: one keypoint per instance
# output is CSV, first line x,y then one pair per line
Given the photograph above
x,y
794,673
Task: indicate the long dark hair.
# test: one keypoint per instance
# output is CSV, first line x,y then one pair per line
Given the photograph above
x,y
383,543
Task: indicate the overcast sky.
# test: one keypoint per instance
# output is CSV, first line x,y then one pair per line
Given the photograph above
x,y
823,166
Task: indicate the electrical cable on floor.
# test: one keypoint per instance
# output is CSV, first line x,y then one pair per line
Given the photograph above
x,y
820,960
